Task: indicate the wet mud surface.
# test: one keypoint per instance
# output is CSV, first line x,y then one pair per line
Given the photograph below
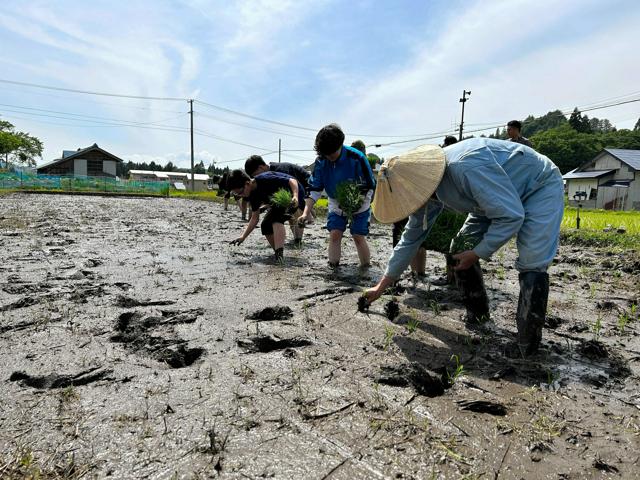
x,y
136,343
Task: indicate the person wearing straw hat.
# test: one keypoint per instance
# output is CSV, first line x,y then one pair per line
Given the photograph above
x,y
507,189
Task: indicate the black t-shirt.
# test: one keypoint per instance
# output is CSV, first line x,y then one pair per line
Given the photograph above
x,y
296,171
269,183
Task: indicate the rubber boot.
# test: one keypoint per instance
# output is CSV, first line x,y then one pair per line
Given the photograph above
x,y
532,308
474,296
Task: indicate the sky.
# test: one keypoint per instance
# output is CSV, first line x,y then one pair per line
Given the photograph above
x,y
260,71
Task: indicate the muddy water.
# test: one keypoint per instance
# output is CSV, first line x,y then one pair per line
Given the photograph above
x,y
135,343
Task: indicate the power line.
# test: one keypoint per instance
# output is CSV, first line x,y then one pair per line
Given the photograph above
x,y
90,92
252,127
92,102
253,117
498,125
89,117
96,123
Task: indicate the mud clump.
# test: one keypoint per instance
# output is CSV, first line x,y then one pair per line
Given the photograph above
x,y
133,331
55,380
363,304
392,309
180,357
552,322
271,313
428,384
266,344
593,349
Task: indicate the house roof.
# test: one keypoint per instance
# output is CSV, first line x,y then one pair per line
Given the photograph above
x,y
630,157
71,154
588,174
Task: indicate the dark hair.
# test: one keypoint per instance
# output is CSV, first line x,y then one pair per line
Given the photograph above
x,y
359,145
237,179
515,123
450,140
329,140
252,164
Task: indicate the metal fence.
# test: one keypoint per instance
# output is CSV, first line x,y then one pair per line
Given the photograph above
x,y
24,181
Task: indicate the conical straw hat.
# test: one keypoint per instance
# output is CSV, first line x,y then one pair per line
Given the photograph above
x,y
406,182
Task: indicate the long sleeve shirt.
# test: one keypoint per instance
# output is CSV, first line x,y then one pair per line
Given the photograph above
x,y
487,178
351,166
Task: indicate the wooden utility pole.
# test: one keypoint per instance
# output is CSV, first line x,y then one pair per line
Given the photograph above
x,y
463,100
279,149
193,185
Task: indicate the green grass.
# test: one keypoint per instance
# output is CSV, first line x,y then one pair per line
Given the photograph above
x,y
600,219
592,224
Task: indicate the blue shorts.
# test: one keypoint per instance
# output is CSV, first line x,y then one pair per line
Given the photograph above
x,y
359,224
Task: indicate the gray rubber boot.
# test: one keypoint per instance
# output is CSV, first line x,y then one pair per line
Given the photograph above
x,y
474,295
532,308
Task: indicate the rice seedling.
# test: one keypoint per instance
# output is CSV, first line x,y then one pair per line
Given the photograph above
x,y
435,307
349,198
282,198
413,323
389,333
459,370
596,327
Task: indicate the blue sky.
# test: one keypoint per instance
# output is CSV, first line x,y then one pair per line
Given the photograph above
x,y
378,68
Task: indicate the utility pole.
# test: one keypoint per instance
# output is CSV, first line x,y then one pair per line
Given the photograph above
x,y
279,149
463,100
193,185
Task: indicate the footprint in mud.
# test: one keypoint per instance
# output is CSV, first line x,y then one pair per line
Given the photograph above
x,y
271,313
593,349
128,302
265,343
429,384
133,331
55,380
23,302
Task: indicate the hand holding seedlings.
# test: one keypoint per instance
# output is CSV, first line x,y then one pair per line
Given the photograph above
x,y
465,259
236,241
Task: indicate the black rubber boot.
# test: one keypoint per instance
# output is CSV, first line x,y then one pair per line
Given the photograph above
x,y
532,308
474,295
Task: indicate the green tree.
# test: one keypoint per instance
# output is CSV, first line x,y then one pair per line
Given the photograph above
x,y
19,146
169,167
532,125
637,126
199,168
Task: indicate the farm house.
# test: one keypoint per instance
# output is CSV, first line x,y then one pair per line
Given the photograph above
x,y
200,180
608,181
92,161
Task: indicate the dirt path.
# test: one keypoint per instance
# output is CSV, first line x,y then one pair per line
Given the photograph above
x,y
135,343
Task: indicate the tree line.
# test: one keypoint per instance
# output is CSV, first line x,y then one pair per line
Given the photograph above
x,y
571,142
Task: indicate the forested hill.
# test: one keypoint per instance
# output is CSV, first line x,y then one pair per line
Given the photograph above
x,y
570,143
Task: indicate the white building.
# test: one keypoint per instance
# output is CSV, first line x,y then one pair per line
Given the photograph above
x,y
607,182
200,180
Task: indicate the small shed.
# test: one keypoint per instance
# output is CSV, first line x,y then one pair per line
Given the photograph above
x,y
92,161
609,181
